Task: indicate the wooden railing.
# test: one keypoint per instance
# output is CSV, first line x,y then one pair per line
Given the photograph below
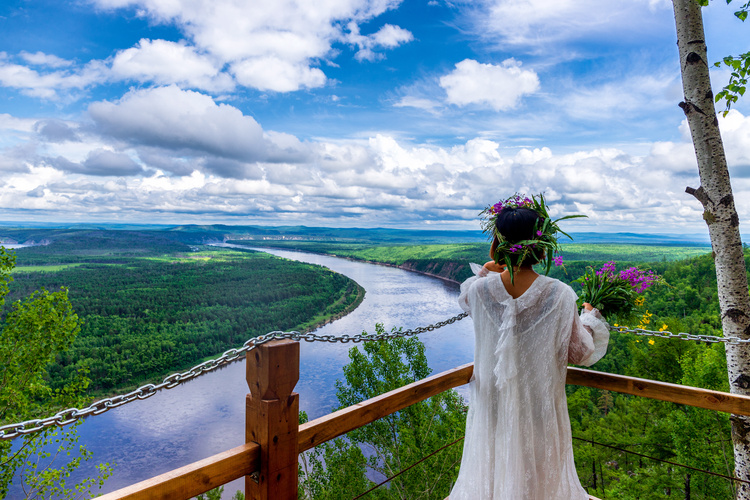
x,y
268,459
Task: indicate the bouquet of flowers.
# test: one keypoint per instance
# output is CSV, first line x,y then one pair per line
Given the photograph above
x,y
616,295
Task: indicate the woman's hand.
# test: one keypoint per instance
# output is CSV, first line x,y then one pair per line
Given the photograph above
x,y
494,266
588,306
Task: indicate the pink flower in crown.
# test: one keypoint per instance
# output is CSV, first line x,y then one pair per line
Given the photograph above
x,y
558,260
539,233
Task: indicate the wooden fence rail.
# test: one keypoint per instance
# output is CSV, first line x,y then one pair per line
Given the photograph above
x,y
274,438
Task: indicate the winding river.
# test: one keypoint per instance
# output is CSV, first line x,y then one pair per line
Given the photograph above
x,y
206,416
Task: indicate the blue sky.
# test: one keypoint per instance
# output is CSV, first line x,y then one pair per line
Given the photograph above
x,y
409,113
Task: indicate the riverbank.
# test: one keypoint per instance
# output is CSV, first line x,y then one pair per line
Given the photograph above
x,y
450,271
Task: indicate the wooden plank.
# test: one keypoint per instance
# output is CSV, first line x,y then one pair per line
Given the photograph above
x,y
347,419
272,419
194,479
662,391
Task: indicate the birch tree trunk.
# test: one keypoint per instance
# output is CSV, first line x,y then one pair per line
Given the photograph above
x,y
715,194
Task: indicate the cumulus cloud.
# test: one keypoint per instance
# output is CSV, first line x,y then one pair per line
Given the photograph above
x,y
383,180
735,131
48,84
164,62
268,45
389,36
42,59
180,120
278,75
53,130
100,162
500,86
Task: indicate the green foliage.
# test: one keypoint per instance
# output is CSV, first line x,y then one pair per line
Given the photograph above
x,y
214,494
145,317
34,331
681,434
343,467
739,67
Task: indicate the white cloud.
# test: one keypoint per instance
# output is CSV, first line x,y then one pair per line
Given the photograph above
x,y
735,131
500,86
278,75
171,118
389,36
536,25
42,59
194,165
48,84
631,95
417,102
261,41
165,62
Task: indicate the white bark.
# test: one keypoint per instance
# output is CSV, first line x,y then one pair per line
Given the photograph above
x,y
715,194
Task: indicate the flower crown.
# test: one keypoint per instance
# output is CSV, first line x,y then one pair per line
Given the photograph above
x,y
542,246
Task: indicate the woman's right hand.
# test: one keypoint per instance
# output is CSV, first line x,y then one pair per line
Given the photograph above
x,y
494,266
588,306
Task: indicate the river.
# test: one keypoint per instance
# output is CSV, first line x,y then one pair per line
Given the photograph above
x,y
207,415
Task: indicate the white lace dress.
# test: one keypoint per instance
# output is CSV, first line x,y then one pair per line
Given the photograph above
x,y
518,441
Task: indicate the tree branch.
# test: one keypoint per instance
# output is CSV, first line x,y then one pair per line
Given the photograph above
x,y
699,195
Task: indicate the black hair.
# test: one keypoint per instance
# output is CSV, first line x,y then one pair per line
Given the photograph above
x,y
518,224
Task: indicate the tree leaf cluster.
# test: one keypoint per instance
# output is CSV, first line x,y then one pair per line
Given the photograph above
x,y
34,330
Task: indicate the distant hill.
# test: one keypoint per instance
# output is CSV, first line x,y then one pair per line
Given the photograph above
x,y
198,234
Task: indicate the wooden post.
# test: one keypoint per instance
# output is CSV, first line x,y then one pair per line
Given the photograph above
x,y
272,419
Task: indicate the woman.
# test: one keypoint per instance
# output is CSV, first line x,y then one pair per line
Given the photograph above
x,y
518,440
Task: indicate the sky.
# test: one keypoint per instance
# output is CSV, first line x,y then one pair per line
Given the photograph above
x,y
354,113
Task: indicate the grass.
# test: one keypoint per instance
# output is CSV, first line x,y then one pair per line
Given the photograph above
x,y
43,269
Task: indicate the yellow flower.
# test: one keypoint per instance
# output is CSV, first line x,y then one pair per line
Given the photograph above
x,y
640,301
616,324
651,342
663,327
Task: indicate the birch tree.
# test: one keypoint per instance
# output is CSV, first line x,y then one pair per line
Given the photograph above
x,y
720,214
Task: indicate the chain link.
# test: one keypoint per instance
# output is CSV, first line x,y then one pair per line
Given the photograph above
x,y
71,415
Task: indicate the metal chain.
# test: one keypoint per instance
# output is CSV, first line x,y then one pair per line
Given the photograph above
x,y
711,339
71,415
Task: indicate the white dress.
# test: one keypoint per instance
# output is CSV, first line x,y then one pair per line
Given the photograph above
x,y
518,441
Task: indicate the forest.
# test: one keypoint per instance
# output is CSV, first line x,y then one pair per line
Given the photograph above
x,y
151,307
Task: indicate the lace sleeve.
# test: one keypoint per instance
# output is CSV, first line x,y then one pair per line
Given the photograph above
x,y
479,272
589,339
